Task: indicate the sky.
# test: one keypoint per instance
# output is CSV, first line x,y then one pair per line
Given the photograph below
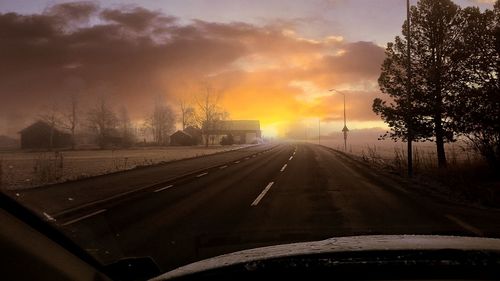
x,y
268,60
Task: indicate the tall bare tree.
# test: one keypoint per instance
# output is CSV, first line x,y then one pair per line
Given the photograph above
x,y
210,112
51,115
69,117
161,121
125,128
103,121
188,114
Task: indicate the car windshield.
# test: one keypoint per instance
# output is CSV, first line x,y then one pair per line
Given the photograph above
x,y
182,130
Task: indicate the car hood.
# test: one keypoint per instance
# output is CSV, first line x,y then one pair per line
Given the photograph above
x,y
341,244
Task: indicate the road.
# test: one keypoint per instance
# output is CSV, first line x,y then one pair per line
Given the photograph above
x,y
288,193
72,198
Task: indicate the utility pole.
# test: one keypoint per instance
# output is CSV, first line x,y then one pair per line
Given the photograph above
x,y
410,111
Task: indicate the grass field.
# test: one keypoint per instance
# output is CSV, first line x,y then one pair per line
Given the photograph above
x,y
389,151
19,170
467,176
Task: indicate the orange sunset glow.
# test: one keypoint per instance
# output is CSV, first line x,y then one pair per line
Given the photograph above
x,y
283,78
272,65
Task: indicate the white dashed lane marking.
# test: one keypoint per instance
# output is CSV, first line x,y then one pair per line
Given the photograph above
x,y
284,167
49,217
262,194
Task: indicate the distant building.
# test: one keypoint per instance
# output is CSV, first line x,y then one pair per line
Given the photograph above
x,y
189,136
243,131
39,134
181,138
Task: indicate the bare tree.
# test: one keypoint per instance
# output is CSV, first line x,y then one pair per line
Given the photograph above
x,y
188,114
51,116
125,128
103,121
162,121
210,112
144,131
69,118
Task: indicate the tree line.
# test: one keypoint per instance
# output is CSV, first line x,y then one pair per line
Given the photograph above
x,y
110,126
453,79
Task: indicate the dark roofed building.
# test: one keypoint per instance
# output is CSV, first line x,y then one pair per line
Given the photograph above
x,y
240,125
39,134
243,131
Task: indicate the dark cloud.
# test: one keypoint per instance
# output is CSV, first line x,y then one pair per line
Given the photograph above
x,y
353,63
137,19
73,12
133,54
360,59
38,56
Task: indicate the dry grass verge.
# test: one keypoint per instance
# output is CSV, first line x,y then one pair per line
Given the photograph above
x,y
467,178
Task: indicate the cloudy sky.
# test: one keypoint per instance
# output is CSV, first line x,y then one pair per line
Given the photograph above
x,y
270,60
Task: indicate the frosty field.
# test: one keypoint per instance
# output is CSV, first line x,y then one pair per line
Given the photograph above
x,y
19,170
388,151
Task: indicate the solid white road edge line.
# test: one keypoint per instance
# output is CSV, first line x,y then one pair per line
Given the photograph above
x,y
84,217
49,217
262,194
163,188
201,175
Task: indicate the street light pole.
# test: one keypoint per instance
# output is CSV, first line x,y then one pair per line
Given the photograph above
x,y
344,130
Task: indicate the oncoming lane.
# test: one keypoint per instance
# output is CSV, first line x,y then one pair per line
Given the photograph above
x,y
210,204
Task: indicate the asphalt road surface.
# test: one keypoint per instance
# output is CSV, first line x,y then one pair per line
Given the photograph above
x,y
288,193
68,198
